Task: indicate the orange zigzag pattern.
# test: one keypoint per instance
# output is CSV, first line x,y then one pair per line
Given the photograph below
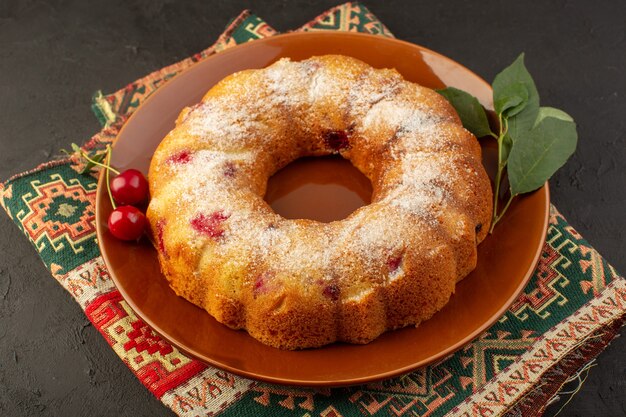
x,y
290,396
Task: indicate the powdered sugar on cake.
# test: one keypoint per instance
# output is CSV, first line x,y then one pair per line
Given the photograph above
x,y
420,190
229,123
221,119
301,283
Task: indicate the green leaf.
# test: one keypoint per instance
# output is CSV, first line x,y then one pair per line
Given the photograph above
x,y
99,157
90,165
470,111
511,100
552,112
75,148
537,155
522,121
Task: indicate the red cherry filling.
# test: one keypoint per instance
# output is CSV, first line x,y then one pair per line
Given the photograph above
x,y
210,225
160,229
331,291
336,139
394,262
129,188
230,169
261,283
181,157
127,223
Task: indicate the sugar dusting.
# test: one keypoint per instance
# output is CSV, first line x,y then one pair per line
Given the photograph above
x,y
221,119
400,116
234,120
284,77
421,190
230,125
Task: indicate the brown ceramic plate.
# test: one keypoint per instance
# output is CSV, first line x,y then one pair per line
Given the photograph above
x,y
506,259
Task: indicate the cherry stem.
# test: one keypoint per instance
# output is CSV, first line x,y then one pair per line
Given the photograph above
x,y
108,168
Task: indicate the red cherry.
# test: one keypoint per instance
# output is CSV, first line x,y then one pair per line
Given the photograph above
x,y
127,223
130,187
336,140
332,291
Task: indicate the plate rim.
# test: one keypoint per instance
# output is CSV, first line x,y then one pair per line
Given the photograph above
x,y
100,225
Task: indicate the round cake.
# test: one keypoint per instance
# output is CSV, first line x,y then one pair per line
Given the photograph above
x,y
300,283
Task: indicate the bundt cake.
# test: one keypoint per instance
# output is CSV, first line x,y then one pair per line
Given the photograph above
x,y
301,283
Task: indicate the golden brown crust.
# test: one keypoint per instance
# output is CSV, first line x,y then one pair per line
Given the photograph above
x,y
299,283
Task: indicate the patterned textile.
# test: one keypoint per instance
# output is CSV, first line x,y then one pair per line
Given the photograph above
x,y
573,306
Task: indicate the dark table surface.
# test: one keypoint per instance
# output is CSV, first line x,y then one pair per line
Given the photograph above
x,y
55,53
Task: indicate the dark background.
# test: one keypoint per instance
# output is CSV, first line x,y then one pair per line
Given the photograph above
x,y
55,54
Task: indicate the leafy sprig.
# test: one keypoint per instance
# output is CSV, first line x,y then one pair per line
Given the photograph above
x,y
533,141
91,160
101,159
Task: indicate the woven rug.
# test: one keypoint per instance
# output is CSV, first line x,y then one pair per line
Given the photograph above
x,y
573,306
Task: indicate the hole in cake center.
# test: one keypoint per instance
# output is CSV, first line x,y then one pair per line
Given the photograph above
x,y
323,188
